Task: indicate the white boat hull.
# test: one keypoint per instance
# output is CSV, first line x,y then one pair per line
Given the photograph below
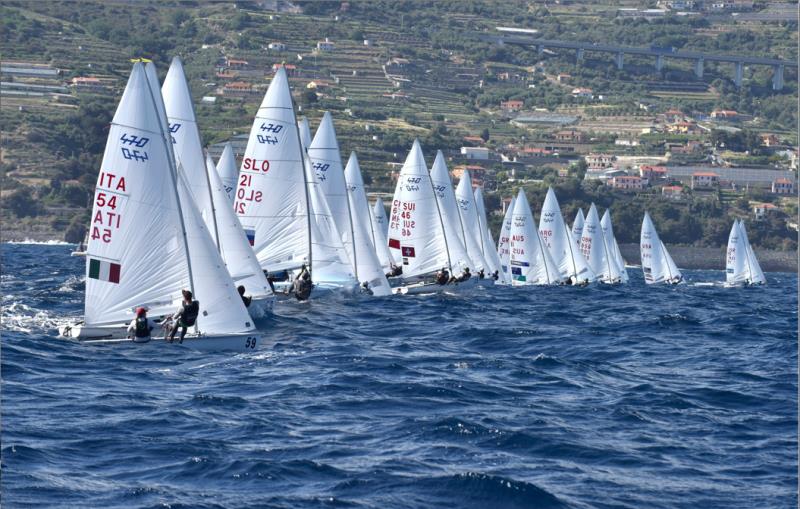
x,y
424,287
242,342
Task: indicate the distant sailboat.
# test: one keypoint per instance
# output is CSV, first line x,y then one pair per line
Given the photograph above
x,y
596,250
380,225
228,171
208,193
577,228
140,190
657,264
612,246
504,245
741,267
559,241
370,273
531,263
487,242
449,212
473,237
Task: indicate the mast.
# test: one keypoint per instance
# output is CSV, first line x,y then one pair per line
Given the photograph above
x,y
303,155
174,175
745,242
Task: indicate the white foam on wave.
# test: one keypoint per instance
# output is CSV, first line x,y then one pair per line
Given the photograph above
x,y
19,317
70,283
50,242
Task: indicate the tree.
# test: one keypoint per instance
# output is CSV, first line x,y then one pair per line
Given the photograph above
x,y
76,231
485,134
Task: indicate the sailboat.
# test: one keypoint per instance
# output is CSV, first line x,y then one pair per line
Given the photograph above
x,y
577,227
368,267
487,242
473,237
531,262
380,224
741,267
504,245
657,264
559,241
416,231
208,192
228,171
596,251
612,246
451,217
140,190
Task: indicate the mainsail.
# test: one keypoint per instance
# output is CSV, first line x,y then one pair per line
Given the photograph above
x,y
756,274
577,228
448,209
368,266
228,171
560,243
612,246
379,225
595,249
504,244
416,232
469,222
531,263
657,264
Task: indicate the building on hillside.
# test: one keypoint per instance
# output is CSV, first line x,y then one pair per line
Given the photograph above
x,y
317,84
474,139
571,135
291,69
326,45
600,161
770,140
626,142
725,115
238,89
672,192
237,64
582,92
87,84
782,186
276,46
704,179
477,173
512,105
626,182
674,115
563,78
653,174
475,153
682,128
762,210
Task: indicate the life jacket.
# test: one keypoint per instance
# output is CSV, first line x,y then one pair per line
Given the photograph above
x,y
190,312
142,327
247,300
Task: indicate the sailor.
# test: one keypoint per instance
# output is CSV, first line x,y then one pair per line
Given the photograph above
x,y
496,275
443,276
245,299
140,327
302,284
481,275
677,279
396,270
270,280
365,288
465,275
185,317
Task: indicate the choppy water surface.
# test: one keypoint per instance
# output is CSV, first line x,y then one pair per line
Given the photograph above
x,y
545,397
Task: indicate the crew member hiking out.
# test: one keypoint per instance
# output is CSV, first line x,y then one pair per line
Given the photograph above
x,y
185,317
302,284
247,300
140,327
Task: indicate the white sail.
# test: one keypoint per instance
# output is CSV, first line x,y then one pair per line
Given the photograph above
x,y
560,243
451,219
136,254
234,246
531,263
612,246
271,198
326,160
487,242
186,141
469,222
736,256
595,249
379,226
369,267
754,268
657,264
221,307
504,244
416,232
228,171
577,228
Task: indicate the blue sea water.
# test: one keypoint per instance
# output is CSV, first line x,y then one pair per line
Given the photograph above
x,y
607,397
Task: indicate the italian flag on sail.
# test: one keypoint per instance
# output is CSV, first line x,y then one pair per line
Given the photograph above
x,y
104,271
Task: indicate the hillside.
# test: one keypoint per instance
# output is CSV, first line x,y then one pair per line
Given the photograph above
x,y
390,71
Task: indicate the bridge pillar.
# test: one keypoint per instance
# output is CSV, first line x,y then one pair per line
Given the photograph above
x,y
739,74
777,77
580,55
540,48
698,68
619,60
659,62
